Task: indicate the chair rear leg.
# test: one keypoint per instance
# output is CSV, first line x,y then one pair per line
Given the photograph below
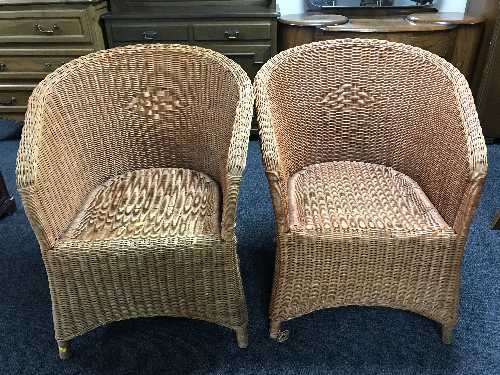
x,y
447,334
64,350
242,337
275,330
276,333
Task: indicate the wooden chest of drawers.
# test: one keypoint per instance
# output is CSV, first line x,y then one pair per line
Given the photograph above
x,y
35,39
248,35
249,42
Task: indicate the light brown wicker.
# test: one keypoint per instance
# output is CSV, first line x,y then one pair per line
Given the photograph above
x,y
375,158
129,169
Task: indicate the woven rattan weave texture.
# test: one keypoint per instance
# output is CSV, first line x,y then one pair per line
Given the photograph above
x,y
387,105
360,198
150,203
129,169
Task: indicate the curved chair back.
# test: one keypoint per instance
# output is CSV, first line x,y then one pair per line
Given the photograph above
x,y
374,101
130,108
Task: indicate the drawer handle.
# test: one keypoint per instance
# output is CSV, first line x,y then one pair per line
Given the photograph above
x,y
232,34
48,67
150,35
9,102
3,67
51,30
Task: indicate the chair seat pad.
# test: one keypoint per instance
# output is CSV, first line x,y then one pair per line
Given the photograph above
x,y
360,198
150,203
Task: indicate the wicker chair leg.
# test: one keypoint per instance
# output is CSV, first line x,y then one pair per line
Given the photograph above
x,y
242,337
275,329
496,221
277,334
64,350
447,334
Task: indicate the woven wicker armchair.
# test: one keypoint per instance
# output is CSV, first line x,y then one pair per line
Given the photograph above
x,y
129,169
375,159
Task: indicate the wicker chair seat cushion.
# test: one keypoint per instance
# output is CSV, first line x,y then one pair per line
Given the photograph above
x,y
150,203
354,197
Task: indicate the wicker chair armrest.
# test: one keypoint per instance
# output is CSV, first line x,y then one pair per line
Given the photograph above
x,y
238,148
237,155
35,212
459,199
274,161
477,155
29,145
48,217
469,204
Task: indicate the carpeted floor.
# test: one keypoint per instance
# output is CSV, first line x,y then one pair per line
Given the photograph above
x,y
350,340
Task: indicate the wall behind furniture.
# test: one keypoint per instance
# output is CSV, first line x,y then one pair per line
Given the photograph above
x,y
297,6
447,5
291,6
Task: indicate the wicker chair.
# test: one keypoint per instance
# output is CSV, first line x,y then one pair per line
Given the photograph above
x,y
129,169
375,159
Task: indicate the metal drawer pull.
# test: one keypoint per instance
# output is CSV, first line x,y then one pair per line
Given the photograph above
x,y
50,30
48,67
3,67
150,35
9,102
232,34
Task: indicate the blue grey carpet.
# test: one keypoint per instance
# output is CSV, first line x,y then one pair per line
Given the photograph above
x,y
349,340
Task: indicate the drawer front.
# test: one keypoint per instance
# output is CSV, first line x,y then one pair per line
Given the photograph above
x,y
14,98
34,65
439,42
255,30
57,26
250,57
149,32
